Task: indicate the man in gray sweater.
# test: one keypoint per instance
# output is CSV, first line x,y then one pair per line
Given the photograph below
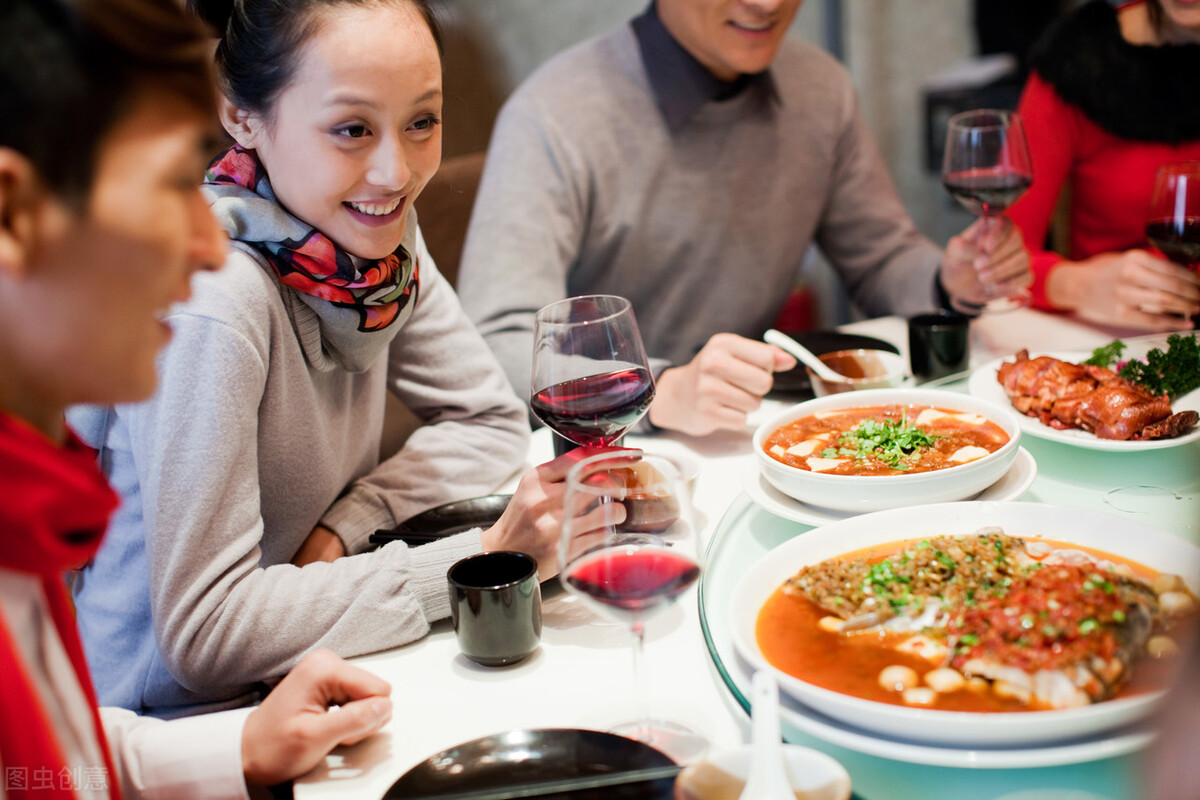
x,y
688,161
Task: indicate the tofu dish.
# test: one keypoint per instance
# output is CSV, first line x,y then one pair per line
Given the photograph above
x,y
884,440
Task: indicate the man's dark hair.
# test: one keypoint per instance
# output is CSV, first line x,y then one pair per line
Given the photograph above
x,y
69,68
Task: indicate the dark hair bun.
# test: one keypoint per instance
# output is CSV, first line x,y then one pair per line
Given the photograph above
x,y
215,12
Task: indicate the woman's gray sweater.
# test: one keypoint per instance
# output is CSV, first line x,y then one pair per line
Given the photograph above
x,y
244,449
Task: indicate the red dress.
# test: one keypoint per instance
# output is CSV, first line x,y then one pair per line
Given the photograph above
x,y
1110,178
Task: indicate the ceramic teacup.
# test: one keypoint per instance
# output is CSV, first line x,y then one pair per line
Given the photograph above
x,y
938,344
496,606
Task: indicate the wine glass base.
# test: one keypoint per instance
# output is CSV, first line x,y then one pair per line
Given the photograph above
x,y
682,744
1000,305
1141,498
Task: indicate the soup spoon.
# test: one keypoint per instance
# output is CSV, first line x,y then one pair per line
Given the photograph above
x,y
785,342
768,777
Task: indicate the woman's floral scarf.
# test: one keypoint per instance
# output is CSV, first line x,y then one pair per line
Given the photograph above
x,y
382,293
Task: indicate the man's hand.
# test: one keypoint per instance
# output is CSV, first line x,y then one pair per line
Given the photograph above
x,y
296,725
719,387
986,261
1136,289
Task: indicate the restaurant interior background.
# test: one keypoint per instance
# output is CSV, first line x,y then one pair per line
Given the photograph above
x,y
914,62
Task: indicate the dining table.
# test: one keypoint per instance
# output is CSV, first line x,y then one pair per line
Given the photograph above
x,y
581,675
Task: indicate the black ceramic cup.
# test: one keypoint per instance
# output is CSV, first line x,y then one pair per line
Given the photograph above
x,y
938,344
496,606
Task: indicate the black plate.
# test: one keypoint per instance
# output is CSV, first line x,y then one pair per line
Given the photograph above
x,y
446,520
794,382
525,757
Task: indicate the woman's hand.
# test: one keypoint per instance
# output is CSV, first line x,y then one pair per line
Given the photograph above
x,y
321,545
296,725
986,261
1134,289
719,387
532,522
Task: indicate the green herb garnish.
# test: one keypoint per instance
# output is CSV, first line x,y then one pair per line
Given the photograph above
x,y
1174,372
1107,355
893,442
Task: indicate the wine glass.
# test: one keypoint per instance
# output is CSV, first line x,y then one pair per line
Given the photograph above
x,y
986,168
590,381
1173,222
628,550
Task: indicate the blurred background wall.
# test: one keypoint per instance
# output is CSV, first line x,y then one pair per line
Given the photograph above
x,y
900,53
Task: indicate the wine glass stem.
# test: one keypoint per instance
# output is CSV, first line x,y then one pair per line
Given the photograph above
x,y
988,222
641,688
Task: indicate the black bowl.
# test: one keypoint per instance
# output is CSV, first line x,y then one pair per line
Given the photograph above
x,y
507,764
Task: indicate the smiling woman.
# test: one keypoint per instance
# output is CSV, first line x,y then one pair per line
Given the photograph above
x,y
350,143
329,299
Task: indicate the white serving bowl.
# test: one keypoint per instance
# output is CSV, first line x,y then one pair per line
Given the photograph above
x,y
857,494
1118,536
813,775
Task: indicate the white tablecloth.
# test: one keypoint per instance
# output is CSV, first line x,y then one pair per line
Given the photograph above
x,y
581,677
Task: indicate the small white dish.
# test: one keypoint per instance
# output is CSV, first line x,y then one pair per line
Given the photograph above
x,y
721,774
1012,485
881,369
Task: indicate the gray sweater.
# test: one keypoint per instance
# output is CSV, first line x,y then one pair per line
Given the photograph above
x,y
244,449
587,189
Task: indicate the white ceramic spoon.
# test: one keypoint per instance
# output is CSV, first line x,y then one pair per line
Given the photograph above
x,y
768,774
782,340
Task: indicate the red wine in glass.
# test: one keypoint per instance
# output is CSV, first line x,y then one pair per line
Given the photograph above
x,y
1177,240
595,410
986,167
632,582
591,381
986,191
1173,220
632,573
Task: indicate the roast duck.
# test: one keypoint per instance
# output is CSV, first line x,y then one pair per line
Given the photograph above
x,y
1066,395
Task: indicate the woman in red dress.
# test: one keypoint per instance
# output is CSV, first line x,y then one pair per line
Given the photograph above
x,y
1109,101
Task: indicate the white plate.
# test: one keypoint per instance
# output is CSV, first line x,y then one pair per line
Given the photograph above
x,y
818,725
983,384
1010,486
1143,544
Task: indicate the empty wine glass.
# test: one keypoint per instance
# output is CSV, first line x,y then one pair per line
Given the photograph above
x,y
1173,221
629,549
590,382
986,168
